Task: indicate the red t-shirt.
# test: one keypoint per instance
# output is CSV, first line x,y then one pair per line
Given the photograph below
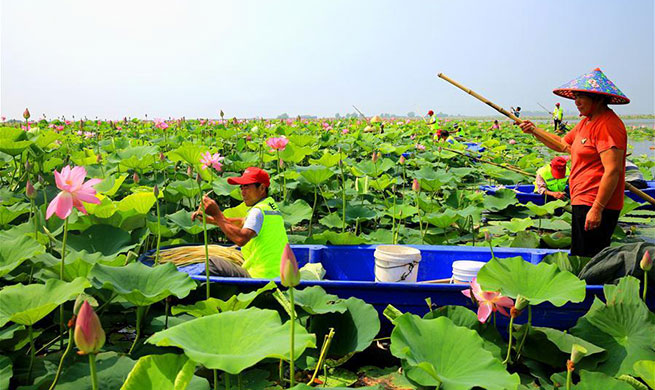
x,y
588,139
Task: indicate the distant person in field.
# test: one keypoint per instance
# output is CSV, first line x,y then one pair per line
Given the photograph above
x,y
553,178
516,111
494,126
597,145
261,234
558,114
634,176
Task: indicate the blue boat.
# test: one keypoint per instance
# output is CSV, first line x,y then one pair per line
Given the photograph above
x,y
525,193
350,273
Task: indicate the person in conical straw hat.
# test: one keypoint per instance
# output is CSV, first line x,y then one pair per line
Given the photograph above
x,y
597,146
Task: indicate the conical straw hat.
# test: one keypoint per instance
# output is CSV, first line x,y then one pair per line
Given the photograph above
x,y
593,82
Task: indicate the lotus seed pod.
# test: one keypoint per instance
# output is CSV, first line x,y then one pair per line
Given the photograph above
x,y
521,303
577,353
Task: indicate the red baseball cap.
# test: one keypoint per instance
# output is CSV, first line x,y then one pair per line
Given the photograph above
x,y
251,175
558,166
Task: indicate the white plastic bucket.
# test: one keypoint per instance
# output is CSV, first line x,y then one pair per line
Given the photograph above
x,y
464,271
396,263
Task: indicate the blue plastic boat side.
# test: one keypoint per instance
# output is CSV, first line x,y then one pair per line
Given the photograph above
x,y
525,194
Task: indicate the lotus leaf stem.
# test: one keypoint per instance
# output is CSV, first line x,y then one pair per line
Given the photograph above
x,y
525,335
509,343
311,218
343,195
29,370
158,230
61,277
418,212
239,381
92,368
61,360
292,312
140,312
327,340
643,294
227,381
215,379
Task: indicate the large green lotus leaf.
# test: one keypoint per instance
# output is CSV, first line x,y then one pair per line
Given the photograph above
x,y
539,283
105,209
112,370
314,300
295,212
444,219
142,285
295,154
302,139
515,225
500,200
106,239
164,372
214,305
316,174
461,316
9,213
551,346
141,202
361,213
331,221
371,169
110,185
327,160
453,356
27,304
182,218
189,153
334,238
354,330
14,148
131,156
46,138
645,369
78,264
6,372
15,250
597,381
629,205
573,264
526,239
402,211
235,340
428,175
12,133
188,188
546,209
557,240
622,325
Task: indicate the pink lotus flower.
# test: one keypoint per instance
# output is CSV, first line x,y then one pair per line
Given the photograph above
x,y
512,142
488,301
161,124
289,274
420,147
344,131
89,134
4,118
211,160
73,192
119,128
59,128
279,143
89,335
67,122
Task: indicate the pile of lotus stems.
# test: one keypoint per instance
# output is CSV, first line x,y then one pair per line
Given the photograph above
x,y
185,255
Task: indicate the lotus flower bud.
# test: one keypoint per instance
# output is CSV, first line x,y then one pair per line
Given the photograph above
x,y
162,156
487,236
89,335
577,353
99,158
40,179
222,114
198,179
26,114
281,163
401,161
28,166
521,303
375,157
416,185
289,274
29,190
646,262
189,171
135,177
155,191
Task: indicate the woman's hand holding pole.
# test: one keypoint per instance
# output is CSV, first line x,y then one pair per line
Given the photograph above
x,y
553,141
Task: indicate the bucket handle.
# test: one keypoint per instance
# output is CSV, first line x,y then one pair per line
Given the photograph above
x,y
404,274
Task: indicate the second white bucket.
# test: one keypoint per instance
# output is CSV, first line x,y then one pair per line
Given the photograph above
x,y
464,271
396,263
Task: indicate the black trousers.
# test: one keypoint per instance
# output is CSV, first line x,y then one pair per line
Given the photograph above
x,y
589,243
557,123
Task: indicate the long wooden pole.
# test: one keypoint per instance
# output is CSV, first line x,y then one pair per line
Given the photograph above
x,y
508,114
510,168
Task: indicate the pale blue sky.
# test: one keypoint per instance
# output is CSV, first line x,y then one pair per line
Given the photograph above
x,y
262,58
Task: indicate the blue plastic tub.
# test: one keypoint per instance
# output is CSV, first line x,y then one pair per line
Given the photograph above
x,y
525,194
350,273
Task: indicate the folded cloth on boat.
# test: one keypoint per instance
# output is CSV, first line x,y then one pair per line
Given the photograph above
x,y
613,263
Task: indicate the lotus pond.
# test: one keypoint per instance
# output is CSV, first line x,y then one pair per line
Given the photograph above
x,y
338,182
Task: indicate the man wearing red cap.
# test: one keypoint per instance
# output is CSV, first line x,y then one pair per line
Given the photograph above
x,y
261,234
552,179
558,115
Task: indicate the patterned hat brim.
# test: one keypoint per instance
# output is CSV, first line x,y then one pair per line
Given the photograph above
x,y
569,94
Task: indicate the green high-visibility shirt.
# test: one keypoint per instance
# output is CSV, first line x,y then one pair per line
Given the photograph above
x,y
262,254
552,184
558,113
